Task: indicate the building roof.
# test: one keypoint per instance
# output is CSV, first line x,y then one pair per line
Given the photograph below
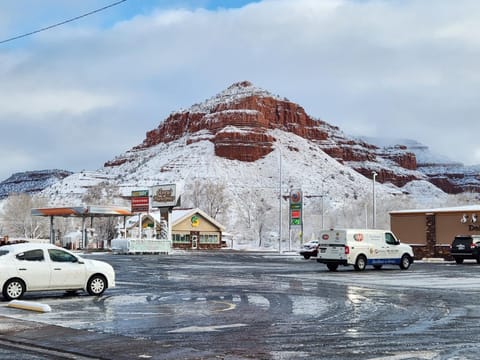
x,y
181,214
466,208
178,215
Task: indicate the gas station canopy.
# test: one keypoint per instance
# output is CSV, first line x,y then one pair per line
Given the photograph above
x,y
83,211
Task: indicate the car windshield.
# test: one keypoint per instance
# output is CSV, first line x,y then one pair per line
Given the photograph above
x,y
3,252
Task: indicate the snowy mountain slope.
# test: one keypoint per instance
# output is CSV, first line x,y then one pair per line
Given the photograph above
x,y
31,182
451,176
422,153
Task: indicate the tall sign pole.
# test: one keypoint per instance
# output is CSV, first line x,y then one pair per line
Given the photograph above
x,y
165,197
296,211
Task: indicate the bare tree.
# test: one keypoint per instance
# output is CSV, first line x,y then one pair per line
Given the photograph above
x,y
195,194
214,199
263,211
257,215
103,194
17,218
208,196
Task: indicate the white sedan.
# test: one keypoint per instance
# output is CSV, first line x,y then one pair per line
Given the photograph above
x,y
39,267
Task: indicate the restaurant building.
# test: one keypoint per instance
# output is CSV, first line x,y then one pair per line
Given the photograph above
x,y
191,229
431,231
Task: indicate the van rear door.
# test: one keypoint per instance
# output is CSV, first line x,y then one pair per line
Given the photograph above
x,y
332,246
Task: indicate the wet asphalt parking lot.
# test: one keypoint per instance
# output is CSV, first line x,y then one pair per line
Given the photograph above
x,y
240,305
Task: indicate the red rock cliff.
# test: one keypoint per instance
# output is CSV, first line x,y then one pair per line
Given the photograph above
x,y
249,113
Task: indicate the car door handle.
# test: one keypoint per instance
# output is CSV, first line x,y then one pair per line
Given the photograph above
x,y
57,268
22,269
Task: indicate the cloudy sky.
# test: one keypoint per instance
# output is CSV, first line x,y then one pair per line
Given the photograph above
x,y
79,94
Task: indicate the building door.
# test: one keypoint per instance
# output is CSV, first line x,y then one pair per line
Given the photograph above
x,y
194,235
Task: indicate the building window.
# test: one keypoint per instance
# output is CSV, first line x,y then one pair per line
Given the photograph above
x,y
209,239
181,238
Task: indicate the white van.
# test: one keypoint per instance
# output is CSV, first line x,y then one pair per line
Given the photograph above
x,y
362,247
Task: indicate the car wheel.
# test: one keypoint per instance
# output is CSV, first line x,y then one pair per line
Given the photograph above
x,y
405,262
332,267
306,256
13,289
459,260
360,263
96,285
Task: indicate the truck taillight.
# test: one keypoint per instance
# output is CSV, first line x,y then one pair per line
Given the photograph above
x,y
347,250
473,246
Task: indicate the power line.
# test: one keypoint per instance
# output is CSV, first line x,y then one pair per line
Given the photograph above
x,y
62,23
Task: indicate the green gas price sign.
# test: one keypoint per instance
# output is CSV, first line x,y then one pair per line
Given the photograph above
x,y
296,207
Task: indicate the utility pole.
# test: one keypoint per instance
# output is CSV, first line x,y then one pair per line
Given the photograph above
x,y
374,210
280,202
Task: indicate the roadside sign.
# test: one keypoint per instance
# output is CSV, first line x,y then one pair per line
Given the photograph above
x,y
164,196
140,202
296,207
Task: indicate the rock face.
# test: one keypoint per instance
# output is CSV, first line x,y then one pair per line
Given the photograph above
x,y
239,120
31,182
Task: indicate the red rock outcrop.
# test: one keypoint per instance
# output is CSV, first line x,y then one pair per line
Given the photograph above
x,y
237,121
249,113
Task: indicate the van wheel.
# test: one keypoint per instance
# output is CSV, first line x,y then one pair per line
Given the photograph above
x,y
459,260
332,267
306,256
360,263
405,262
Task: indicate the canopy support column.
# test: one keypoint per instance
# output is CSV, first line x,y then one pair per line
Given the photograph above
x,y
52,231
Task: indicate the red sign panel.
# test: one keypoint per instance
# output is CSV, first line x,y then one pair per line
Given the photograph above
x,y
140,204
295,214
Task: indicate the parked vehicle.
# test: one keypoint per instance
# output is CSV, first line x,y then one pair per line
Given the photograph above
x,y
309,249
40,267
362,247
465,247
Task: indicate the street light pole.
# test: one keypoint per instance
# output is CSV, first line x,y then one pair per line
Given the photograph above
x,y
323,204
280,201
323,199
374,210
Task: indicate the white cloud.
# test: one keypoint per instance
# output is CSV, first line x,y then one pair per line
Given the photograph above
x,y
44,102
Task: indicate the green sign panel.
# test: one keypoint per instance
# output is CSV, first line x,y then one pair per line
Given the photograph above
x,y
296,222
139,193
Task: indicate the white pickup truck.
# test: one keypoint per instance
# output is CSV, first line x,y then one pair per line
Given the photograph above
x,y
362,247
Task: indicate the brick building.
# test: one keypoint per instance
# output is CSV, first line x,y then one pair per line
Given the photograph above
x,y
431,231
